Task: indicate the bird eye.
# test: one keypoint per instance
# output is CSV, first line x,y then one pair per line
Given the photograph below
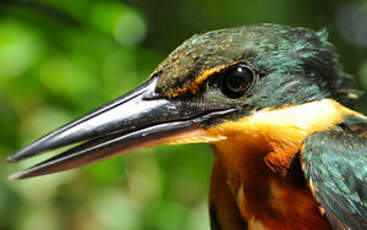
x,y
237,80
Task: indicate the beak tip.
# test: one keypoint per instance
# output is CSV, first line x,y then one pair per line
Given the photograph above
x,y
16,176
22,154
11,159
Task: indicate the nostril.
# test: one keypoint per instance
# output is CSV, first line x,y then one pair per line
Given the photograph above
x,y
152,96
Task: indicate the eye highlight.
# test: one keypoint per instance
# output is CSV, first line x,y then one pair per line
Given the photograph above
x,y
237,80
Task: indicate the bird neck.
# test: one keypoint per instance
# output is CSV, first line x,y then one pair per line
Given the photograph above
x,y
276,134
258,152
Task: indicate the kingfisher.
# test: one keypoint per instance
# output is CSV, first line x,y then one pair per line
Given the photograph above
x,y
275,104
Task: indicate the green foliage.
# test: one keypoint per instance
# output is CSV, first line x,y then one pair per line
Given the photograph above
x,y
60,59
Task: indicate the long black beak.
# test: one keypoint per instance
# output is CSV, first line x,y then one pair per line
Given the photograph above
x,y
138,119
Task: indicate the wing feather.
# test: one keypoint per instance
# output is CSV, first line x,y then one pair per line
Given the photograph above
x,y
335,164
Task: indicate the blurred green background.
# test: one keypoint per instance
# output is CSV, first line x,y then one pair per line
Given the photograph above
x,y
60,59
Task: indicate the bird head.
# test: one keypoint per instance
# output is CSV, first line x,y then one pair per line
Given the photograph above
x,y
211,79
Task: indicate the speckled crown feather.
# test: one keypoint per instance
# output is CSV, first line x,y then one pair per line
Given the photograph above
x,y
268,47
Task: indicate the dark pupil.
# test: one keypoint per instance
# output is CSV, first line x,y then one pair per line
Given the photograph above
x,y
236,82
239,80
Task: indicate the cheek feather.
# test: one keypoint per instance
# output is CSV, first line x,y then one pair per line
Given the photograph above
x,y
303,119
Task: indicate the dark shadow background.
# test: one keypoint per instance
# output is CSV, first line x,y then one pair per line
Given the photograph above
x,y
60,59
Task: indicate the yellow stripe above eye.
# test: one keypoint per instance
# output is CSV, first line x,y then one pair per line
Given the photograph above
x,y
193,86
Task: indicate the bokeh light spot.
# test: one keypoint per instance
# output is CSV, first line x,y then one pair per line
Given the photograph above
x,y
130,29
